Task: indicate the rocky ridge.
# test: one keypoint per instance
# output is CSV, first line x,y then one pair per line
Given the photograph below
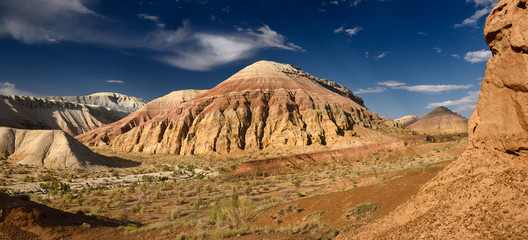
x,y
483,194
265,105
45,148
39,113
115,101
440,120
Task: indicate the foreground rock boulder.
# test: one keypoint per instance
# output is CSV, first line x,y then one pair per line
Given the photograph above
x,y
482,195
265,105
115,101
39,113
440,120
45,148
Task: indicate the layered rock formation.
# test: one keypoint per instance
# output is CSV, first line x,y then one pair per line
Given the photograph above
x,y
115,101
265,105
157,106
440,120
45,148
407,120
38,113
483,195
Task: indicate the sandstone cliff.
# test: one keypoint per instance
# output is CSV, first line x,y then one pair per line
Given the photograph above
x,y
45,148
483,195
38,113
114,101
407,120
265,105
146,113
440,120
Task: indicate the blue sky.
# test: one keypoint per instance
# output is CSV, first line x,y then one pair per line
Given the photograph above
x,y
402,56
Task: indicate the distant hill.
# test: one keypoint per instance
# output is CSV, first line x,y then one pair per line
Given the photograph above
x,y
39,113
115,101
407,120
440,120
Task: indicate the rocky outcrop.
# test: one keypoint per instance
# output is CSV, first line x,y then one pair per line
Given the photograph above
x,y
500,120
157,106
45,148
483,194
407,120
115,101
439,121
38,113
265,105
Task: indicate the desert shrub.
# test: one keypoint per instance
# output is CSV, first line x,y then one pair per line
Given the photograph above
x,y
361,211
297,182
233,212
55,186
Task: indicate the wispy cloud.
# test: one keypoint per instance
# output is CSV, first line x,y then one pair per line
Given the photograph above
x,y
466,103
473,19
423,88
382,55
478,56
57,21
422,33
437,50
10,89
349,32
155,19
370,90
115,81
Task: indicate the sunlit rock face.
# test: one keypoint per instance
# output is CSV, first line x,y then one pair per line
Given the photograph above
x,y
264,105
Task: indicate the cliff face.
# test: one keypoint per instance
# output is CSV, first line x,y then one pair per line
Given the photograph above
x,y
264,105
500,120
38,113
440,120
157,106
45,148
114,101
483,194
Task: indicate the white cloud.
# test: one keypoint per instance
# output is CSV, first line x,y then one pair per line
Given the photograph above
x,y
455,55
423,88
114,81
483,2
391,84
382,55
10,89
422,33
55,21
466,103
370,90
350,32
473,19
437,50
155,19
478,56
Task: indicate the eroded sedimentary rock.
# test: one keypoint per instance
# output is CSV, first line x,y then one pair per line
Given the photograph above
x,y
38,113
115,101
45,148
440,120
264,105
